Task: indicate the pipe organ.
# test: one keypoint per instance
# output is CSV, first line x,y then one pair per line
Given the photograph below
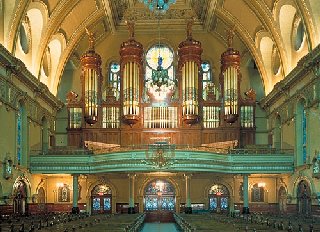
x,y
189,52
230,80
90,78
192,110
131,53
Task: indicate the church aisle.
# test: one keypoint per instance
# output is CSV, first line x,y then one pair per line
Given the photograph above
x,y
159,227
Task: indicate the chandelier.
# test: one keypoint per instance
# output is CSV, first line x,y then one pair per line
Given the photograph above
x,y
158,5
160,76
160,155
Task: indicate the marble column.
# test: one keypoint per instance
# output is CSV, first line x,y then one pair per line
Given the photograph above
x,y
188,208
131,194
75,208
245,194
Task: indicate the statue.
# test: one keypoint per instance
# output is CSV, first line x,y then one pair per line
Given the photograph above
x,y
189,28
230,35
251,94
91,39
130,25
71,97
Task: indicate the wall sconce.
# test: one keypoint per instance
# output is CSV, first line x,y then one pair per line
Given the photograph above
x,y
261,185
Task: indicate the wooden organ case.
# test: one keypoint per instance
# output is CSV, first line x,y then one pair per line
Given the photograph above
x,y
183,117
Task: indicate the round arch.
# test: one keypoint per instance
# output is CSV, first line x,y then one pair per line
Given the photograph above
x,y
219,196
21,193
177,191
113,194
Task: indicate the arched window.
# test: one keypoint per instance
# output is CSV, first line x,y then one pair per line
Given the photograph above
x,y
159,76
304,136
21,133
206,79
301,133
114,79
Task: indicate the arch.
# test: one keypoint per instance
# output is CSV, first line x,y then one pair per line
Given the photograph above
x,y
21,192
102,182
314,6
218,198
56,45
304,198
282,199
38,16
159,194
101,199
149,180
264,45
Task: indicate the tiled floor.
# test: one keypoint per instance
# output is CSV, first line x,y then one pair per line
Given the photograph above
x,y
159,227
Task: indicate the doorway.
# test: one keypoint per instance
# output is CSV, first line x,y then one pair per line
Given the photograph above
x,y
218,198
101,199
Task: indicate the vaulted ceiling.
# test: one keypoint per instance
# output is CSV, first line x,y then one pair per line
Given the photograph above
x,y
48,34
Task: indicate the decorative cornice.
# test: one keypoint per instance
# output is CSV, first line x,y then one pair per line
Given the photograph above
x,y
307,67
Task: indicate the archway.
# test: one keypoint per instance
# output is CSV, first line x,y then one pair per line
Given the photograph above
x,y
218,198
101,197
304,198
20,198
282,200
159,195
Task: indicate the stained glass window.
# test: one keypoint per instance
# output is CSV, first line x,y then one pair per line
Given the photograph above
x,y
101,190
160,88
107,203
19,133
114,79
213,203
96,203
219,190
304,136
224,203
206,78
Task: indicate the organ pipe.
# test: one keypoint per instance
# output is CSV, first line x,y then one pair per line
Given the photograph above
x,y
131,53
91,80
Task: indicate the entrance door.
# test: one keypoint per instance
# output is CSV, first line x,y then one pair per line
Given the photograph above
x,y
159,195
218,198
101,196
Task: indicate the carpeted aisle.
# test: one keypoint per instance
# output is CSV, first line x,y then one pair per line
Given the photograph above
x,y
157,227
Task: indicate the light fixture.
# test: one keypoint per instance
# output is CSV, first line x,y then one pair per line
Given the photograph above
x,y
261,184
160,6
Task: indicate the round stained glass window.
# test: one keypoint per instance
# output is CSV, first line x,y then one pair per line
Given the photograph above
x,y
156,51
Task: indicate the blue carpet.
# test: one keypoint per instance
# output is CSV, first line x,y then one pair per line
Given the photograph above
x,y
157,227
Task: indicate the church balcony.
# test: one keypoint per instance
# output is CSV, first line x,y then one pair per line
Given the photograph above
x,y
172,158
